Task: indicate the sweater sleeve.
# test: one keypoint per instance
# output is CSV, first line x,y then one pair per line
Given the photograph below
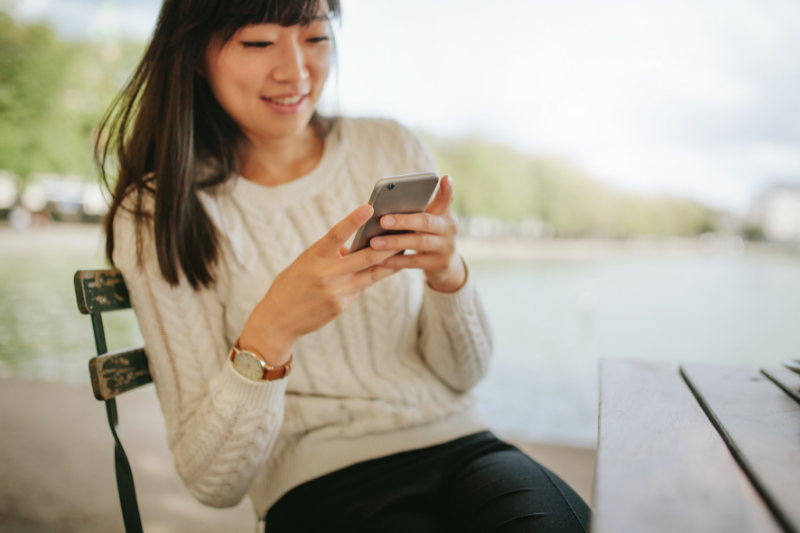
x,y
220,425
455,336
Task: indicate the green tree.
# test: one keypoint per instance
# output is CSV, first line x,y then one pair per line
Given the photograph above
x,y
52,95
496,181
32,72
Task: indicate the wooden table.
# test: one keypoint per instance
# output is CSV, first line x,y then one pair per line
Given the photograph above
x,y
697,448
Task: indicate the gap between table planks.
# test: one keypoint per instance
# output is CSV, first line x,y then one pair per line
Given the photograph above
x,y
661,465
786,379
761,425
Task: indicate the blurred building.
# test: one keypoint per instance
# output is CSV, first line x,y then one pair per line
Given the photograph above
x,y
777,213
59,198
8,191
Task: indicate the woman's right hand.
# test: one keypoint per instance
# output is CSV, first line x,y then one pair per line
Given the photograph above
x,y
316,288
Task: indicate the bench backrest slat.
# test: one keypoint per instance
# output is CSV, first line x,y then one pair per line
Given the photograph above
x,y
98,291
118,372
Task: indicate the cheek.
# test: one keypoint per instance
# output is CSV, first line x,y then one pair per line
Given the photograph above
x,y
235,82
319,65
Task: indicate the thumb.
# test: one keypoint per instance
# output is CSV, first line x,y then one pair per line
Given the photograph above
x,y
444,197
333,241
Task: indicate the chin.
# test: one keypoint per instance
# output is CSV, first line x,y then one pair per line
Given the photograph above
x,y
285,127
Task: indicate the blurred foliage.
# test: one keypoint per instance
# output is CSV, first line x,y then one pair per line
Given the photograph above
x,y
52,95
493,180
752,232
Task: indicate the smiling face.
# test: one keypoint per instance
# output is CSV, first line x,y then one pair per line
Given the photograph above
x,y
268,78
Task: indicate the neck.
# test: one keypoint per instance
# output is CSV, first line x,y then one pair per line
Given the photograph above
x,y
276,161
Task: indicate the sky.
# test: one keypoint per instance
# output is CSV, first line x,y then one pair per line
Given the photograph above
x,y
697,98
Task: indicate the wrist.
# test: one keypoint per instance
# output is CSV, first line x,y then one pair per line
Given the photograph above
x,y
272,344
251,365
272,353
452,279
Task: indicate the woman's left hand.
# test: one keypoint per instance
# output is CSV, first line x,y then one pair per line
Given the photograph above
x,y
433,237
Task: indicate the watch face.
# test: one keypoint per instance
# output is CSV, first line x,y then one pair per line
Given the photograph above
x,y
248,365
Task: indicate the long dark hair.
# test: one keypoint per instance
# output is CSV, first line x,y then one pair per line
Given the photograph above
x,y
166,123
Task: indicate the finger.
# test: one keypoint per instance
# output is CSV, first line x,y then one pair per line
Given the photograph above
x,y
344,250
424,261
422,222
444,197
365,278
362,259
332,242
420,242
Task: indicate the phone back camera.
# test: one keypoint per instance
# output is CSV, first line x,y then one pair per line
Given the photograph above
x,y
391,186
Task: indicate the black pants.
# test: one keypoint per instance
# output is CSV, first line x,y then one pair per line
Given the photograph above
x,y
473,484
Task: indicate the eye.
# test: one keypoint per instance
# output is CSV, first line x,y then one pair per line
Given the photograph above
x,y
256,44
318,39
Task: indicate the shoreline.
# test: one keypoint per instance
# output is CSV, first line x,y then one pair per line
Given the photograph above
x,y
579,249
87,240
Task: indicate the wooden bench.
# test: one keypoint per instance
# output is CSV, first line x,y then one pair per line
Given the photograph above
x,y
697,448
97,292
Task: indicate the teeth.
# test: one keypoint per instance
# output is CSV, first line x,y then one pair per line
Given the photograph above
x,y
289,100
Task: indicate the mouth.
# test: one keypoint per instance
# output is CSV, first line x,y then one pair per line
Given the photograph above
x,y
285,100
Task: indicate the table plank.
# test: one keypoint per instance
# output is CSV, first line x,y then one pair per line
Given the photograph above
x,y
786,379
761,424
661,465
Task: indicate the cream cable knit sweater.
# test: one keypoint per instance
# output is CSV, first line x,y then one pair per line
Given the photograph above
x,y
390,374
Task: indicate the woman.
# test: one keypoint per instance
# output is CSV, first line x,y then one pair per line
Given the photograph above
x,y
231,215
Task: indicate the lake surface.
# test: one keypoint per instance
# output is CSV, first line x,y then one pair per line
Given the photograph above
x,y
555,316
555,319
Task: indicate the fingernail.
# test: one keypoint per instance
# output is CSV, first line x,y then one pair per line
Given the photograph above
x,y
378,242
388,222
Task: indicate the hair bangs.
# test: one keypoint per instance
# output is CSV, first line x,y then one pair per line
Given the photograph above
x,y
240,13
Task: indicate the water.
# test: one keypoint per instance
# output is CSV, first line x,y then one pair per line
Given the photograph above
x,y
42,333
554,318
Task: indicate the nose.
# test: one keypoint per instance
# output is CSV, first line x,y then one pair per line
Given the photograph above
x,y
292,64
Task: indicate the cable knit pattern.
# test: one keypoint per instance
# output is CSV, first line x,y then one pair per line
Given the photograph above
x,y
388,375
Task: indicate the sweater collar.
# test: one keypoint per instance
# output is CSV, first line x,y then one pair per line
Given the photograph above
x,y
230,201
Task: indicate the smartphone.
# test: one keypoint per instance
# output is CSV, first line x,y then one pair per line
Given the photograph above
x,y
395,195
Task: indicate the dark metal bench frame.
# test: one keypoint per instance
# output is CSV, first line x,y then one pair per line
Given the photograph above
x,y
99,291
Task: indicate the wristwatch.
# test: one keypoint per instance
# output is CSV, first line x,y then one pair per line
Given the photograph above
x,y
249,364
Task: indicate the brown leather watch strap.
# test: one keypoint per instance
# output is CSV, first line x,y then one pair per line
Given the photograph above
x,y
271,373
278,372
